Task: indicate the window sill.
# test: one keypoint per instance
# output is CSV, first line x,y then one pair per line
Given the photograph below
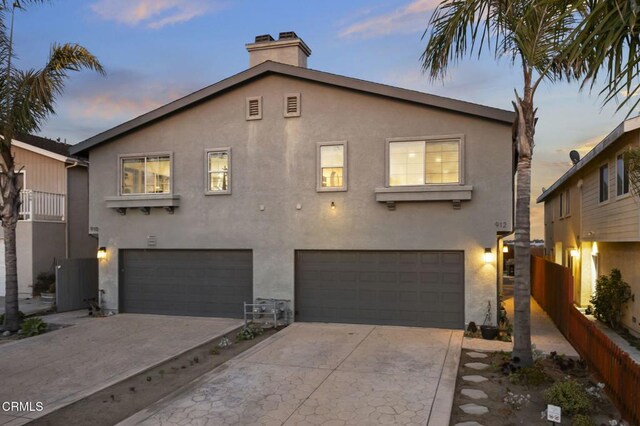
x,y
141,201
424,193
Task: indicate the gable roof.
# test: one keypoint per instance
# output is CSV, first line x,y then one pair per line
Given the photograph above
x,y
624,127
47,147
270,67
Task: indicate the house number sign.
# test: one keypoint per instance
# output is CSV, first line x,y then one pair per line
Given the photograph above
x,y
501,224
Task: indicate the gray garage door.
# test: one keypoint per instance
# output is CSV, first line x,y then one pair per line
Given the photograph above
x,y
186,282
413,288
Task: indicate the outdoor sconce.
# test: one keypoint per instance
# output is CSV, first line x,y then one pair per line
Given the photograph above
x,y
333,205
574,252
505,249
488,256
102,253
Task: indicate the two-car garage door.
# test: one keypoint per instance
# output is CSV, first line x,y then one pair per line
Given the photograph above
x,y
412,288
186,282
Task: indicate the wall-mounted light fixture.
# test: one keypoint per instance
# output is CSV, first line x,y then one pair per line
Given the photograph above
x,y
333,205
102,253
574,253
488,255
505,249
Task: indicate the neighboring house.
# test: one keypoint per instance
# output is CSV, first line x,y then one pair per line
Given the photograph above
x,y
53,221
358,202
592,220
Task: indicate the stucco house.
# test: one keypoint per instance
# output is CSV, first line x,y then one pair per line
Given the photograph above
x,y
592,221
53,221
355,201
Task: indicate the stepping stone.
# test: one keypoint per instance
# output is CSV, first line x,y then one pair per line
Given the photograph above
x,y
474,379
477,365
474,394
469,424
476,355
475,409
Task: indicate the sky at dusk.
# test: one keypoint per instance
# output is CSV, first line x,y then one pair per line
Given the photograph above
x,y
156,51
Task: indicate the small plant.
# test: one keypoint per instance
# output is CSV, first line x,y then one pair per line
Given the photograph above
x,y
611,294
588,310
249,332
516,401
596,390
214,351
224,342
529,376
196,359
570,396
33,327
563,363
44,283
582,420
161,372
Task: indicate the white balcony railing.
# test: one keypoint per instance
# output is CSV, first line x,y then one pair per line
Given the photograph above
x,y
38,205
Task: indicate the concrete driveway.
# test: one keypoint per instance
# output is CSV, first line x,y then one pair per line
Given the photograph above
x,y
335,374
63,366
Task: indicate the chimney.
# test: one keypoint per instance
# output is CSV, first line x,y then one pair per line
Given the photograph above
x,y
288,49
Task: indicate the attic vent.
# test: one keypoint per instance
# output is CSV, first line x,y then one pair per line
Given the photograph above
x,y
254,108
292,105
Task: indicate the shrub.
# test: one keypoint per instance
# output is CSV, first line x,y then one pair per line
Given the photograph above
x,y
249,332
33,327
45,283
611,294
582,420
530,376
568,395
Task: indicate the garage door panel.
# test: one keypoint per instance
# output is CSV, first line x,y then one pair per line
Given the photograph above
x,y
381,287
186,282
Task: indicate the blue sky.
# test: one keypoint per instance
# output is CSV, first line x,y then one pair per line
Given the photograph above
x,y
155,51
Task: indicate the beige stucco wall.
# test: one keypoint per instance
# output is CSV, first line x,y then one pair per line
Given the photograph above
x,y
273,164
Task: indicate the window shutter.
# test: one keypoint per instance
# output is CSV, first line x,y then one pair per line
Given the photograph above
x,y
292,105
254,108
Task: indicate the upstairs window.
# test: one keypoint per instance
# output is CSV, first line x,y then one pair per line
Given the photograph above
x,y
622,176
424,162
561,202
218,168
604,183
149,174
567,203
332,169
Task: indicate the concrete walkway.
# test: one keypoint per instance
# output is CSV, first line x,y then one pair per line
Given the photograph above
x,y
63,366
544,334
313,373
29,306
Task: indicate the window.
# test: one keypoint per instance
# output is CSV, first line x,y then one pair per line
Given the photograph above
x,y
218,171
567,203
332,169
292,105
424,162
622,176
604,183
561,210
150,174
254,108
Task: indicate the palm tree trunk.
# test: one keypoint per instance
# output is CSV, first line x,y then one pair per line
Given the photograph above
x,y
524,139
11,317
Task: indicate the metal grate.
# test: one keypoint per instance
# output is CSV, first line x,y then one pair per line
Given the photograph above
x,y
254,108
292,105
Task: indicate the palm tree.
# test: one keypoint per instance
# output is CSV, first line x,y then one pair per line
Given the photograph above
x,y
27,98
531,34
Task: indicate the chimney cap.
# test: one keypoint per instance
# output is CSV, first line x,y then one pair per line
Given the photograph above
x,y
264,38
288,35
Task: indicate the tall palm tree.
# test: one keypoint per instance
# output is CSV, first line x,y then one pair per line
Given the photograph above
x,y
27,98
531,34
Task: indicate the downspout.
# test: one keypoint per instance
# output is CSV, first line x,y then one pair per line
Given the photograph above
x,y
66,210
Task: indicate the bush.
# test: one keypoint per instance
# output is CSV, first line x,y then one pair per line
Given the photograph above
x,y
529,376
249,332
582,420
33,327
45,283
568,395
611,294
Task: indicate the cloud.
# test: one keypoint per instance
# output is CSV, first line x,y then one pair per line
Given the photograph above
x,y
153,13
405,20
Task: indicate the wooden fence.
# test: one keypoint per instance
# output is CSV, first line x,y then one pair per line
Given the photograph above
x,y
552,287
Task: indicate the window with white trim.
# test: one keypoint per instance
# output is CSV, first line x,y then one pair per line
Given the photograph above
x,y
622,176
332,166
148,174
218,168
424,162
603,183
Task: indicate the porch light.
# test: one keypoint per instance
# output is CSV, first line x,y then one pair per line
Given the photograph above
x,y
102,253
333,205
574,252
488,255
505,249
